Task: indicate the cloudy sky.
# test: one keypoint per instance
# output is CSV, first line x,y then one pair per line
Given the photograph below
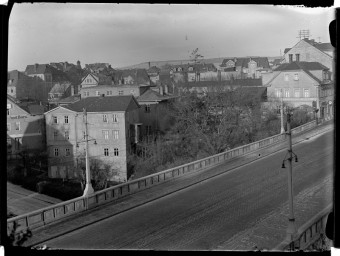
x,y
127,34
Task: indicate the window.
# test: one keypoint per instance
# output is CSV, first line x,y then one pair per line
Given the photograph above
x,y
67,135
116,152
120,92
55,135
97,93
17,126
105,118
115,134
147,108
296,76
287,93
8,112
8,127
56,152
106,152
148,129
115,118
306,93
11,90
109,93
66,119
84,135
290,58
106,134
297,93
297,57
286,77
67,152
86,94
278,92
55,120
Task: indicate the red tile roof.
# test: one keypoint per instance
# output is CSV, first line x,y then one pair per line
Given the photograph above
x,y
105,104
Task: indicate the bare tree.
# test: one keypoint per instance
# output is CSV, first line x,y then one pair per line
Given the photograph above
x,y
195,56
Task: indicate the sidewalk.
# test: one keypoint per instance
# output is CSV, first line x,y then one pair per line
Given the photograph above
x,y
105,211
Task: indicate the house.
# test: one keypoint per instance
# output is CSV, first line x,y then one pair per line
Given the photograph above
x,y
131,76
202,72
154,112
239,68
275,63
97,68
311,51
43,71
21,86
25,127
60,91
179,73
153,73
327,100
91,80
113,90
297,83
113,130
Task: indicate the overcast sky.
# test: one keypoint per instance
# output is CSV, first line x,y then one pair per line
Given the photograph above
x,y
127,34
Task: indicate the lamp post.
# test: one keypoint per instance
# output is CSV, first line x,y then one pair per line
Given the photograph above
x,y
282,127
88,188
291,229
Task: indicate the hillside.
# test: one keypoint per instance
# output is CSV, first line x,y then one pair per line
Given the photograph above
x,y
145,65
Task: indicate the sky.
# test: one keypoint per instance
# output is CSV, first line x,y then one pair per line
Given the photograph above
x,y
128,34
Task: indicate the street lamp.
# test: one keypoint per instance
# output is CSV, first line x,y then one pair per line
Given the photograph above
x,y
282,128
291,229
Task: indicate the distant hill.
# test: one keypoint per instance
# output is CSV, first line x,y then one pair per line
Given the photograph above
x,y
146,65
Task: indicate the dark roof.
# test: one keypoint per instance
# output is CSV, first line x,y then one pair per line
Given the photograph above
x,y
153,69
11,98
243,62
277,62
60,87
229,69
151,95
38,69
105,104
35,109
286,50
324,47
301,65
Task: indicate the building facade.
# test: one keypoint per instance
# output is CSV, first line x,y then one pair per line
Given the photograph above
x,y
113,129
25,128
297,83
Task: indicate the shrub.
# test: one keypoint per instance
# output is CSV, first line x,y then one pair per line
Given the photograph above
x,y
15,175
64,191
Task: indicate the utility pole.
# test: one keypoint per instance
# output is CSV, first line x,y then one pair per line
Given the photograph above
x,y
291,230
282,128
88,188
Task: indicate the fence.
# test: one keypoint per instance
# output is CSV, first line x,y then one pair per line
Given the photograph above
x,y
310,235
53,213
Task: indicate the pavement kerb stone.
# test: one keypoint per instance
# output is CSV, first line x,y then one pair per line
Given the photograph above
x,y
75,222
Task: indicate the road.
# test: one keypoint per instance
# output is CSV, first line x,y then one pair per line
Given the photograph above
x,y
21,200
206,215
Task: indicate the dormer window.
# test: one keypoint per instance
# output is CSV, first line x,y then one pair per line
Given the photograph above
x,y
296,76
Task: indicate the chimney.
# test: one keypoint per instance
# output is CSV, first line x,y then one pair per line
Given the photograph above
x,y
149,64
65,65
36,67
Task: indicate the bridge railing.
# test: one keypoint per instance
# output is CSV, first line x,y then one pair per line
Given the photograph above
x,y
309,234
55,212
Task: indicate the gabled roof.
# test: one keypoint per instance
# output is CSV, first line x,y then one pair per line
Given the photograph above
x,y
243,62
70,99
151,95
105,104
277,61
34,109
324,47
154,69
14,100
60,87
301,65
286,50
38,69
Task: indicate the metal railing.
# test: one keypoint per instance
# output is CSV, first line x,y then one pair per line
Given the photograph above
x,y
55,212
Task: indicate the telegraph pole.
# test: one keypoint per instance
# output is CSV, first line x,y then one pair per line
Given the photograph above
x,y
88,188
291,230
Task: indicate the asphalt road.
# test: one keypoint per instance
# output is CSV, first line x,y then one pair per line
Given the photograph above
x,y
208,214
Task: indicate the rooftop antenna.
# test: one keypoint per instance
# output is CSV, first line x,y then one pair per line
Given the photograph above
x,y
304,33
